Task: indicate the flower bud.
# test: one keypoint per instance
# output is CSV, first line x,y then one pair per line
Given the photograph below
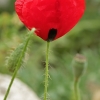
x,y
18,55
79,65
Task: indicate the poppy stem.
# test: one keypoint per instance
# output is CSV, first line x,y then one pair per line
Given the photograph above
x,y
18,63
76,89
46,72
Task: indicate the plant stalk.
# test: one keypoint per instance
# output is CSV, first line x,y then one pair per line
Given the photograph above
x,y
46,72
76,89
18,65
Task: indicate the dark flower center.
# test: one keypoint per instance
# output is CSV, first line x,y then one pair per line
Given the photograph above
x,y
52,34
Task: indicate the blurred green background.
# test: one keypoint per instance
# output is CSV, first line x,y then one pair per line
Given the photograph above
x,y
84,38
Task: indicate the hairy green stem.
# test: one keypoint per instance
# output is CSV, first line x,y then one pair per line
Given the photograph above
x,y
76,90
18,64
46,72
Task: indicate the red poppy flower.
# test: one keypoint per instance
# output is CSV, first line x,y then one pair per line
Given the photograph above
x,y
51,18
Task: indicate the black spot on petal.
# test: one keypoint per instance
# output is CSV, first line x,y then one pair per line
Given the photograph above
x,y
52,34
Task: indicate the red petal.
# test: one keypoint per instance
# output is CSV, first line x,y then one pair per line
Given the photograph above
x,y
18,7
50,14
